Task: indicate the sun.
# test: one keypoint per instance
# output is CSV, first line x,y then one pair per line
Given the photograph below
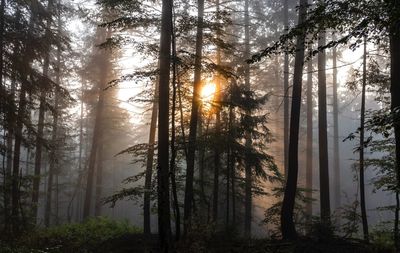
x,y
208,92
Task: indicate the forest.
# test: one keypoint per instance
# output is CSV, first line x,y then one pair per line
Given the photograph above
x,y
199,126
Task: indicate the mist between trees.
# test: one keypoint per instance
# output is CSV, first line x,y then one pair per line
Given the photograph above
x,y
199,126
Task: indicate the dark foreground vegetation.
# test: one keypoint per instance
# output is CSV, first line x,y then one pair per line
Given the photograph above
x,y
102,235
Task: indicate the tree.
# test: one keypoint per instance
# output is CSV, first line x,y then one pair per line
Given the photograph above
x,y
164,223
39,135
336,155
149,164
287,223
248,141
286,90
217,151
103,80
361,148
54,135
323,134
394,37
309,165
194,117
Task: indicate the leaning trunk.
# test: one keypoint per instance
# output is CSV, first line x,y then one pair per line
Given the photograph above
x,y
287,222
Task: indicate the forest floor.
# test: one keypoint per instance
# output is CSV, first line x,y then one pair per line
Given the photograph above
x,y
102,235
136,243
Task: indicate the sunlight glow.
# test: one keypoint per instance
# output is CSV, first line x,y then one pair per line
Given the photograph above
x,y
208,92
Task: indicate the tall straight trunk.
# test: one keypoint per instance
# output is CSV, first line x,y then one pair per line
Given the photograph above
x,y
11,120
248,168
149,165
39,134
76,190
231,158
57,200
204,204
228,183
9,145
233,183
336,155
230,174
395,107
99,178
173,140
164,222
2,13
194,119
3,92
93,155
97,130
217,151
362,134
15,195
309,161
54,134
286,91
9,155
21,114
323,134
287,223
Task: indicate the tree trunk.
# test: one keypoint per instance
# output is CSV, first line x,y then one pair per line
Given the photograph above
x,y
336,155
173,140
309,163
39,134
228,182
322,134
362,134
15,195
54,144
99,178
164,222
286,91
395,106
149,165
9,144
287,223
217,151
79,181
96,132
248,142
232,166
194,119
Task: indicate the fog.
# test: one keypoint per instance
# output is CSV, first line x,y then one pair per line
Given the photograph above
x,y
87,87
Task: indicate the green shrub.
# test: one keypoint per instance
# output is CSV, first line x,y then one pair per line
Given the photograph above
x,y
382,238
93,235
